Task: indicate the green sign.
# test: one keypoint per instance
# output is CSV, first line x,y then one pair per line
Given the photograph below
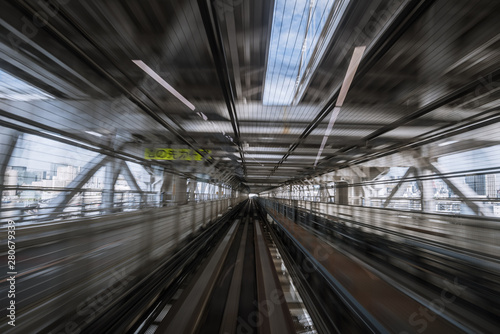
x,y
185,154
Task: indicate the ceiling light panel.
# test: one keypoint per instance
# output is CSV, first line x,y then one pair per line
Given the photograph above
x,y
162,82
351,71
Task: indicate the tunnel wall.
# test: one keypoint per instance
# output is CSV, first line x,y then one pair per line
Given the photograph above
x,y
78,267
478,234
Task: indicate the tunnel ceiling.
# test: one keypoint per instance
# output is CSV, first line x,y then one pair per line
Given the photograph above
x,y
428,65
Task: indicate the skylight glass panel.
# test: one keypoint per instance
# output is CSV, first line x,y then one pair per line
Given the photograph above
x,y
14,89
296,30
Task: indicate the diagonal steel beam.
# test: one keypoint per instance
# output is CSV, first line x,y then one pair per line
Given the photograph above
x,y
75,186
462,190
129,177
394,190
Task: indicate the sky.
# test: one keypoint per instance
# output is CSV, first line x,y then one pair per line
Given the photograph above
x,y
487,157
38,153
12,88
288,36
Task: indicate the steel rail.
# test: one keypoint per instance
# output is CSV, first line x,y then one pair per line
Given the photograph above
x,y
122,314
275,320
350,282
186,316
315,308
229,322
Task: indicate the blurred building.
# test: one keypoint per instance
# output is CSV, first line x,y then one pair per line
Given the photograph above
x,y
10,180
491,186
477,183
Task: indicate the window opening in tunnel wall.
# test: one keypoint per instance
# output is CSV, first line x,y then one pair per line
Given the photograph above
x,y
460,182
46,179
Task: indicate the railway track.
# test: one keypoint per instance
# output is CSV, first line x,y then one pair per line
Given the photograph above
x,y
235,290
138,307
359,297
230,280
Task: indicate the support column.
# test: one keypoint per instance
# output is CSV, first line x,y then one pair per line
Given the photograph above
x,y
324,195
166,189
204,203
108,193
426,190
193,216
219,197
180,194
212,210
177,222
203,192
358,193
342,193
191,188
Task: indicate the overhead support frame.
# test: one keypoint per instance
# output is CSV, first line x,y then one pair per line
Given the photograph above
x,y
212,29
413,10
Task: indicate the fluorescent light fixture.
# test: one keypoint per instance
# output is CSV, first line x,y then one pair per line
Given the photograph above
x,y
351,71
341,161
446,143
94,133
333,117
162,82
296,30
